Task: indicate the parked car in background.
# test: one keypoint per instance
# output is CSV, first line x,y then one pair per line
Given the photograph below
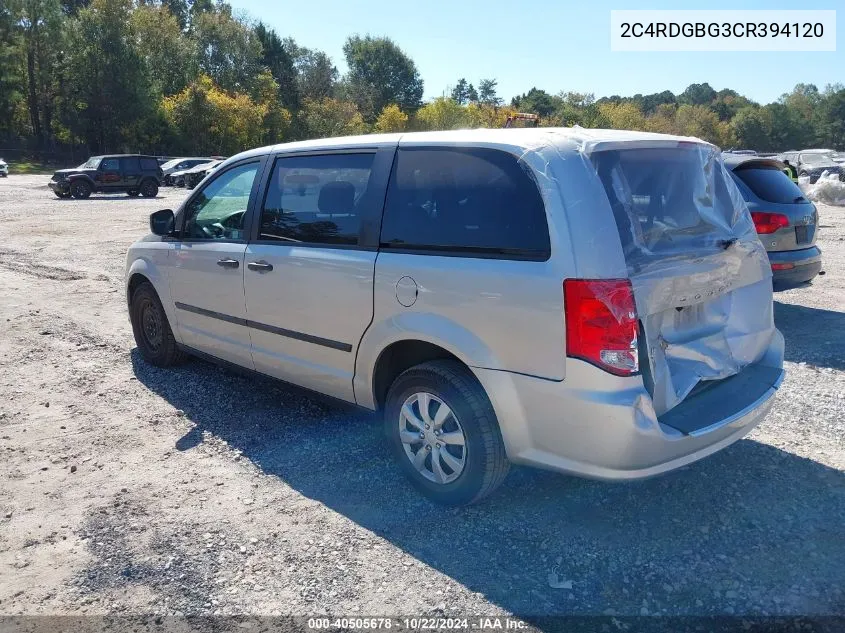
x,y
4,168
814,162
563,298
133,173
195,176
181,164
786,221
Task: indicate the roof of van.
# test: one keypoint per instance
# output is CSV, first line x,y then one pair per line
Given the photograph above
x,y
513,137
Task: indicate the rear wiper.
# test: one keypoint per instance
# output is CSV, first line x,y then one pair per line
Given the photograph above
x,y
800,199
726,244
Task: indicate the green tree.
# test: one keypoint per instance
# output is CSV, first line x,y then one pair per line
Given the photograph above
x,y
316,75
208,120
487,93
832,118
536,101
169,58
442,114
229,50
701,122
391,119
697,94
622,116
40,26
329,117
11,72
460,93
472,94
752,127
104,91
381,73
277,59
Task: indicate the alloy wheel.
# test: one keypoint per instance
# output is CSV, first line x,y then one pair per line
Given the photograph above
x,y
432,437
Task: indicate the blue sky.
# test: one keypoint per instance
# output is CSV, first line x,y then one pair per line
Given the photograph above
x,y
552,44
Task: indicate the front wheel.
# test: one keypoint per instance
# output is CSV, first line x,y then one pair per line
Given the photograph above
x,y
152,331
133,193
62,194
443,433
80,189
149,189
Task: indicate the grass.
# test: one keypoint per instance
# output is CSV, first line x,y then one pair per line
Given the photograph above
x,y
30,168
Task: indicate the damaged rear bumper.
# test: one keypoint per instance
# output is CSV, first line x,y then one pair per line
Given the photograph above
x,y
600,426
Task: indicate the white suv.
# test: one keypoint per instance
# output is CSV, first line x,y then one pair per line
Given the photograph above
x,y
595,302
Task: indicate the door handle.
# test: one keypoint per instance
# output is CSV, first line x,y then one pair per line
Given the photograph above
x,y
228,263
261,267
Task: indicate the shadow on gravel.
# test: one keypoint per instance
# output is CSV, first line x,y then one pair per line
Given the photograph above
x,y
752,529
813,336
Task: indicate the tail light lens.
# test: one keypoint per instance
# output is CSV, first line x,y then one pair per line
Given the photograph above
x,y
601,323
784,266
766,223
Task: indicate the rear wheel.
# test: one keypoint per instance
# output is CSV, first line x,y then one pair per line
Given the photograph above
x,y
149,189
80,189
443,433
152,331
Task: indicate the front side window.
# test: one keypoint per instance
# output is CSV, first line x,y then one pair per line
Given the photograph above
x,y
316,199
149,164
110,164
218,211
468,201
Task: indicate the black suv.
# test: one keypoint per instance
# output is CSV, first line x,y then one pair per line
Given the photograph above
x,y
132,173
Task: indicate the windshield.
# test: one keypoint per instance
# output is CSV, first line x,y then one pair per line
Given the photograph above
x,y
816,159
91,163
668,200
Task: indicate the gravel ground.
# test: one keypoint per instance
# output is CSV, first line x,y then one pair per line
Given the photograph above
x,y
129,489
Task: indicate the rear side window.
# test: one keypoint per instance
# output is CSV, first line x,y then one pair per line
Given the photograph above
x,y
770,184
149,164
471,201
130,165
316,199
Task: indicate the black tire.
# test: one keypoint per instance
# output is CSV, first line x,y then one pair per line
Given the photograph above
x,y
62,195
149,188
152,331
80,189
486,463
133,193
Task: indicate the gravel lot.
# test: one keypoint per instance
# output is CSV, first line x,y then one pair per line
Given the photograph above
x,y
129,489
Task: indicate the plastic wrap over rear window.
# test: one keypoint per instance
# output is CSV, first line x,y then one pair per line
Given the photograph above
x,y
669,201
464,201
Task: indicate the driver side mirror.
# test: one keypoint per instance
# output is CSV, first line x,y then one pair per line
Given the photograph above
x,y
162,222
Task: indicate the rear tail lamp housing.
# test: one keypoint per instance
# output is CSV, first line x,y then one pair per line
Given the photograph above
x,y
767,223
601,324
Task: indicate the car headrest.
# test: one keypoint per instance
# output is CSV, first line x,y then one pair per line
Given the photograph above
x,y
337,197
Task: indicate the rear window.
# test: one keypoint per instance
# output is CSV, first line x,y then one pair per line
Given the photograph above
x,y
668,200
770,184
469,201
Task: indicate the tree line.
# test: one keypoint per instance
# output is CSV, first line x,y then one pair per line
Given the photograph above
x,y
195,77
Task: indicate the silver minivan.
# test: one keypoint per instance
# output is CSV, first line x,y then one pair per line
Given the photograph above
x,y
594,302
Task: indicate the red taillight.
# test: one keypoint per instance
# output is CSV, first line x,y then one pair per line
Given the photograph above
x,y
786,266
766,223
601,323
